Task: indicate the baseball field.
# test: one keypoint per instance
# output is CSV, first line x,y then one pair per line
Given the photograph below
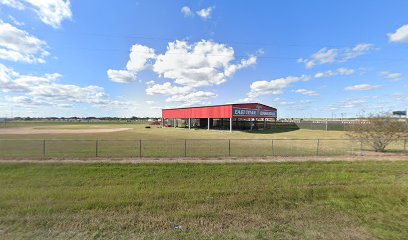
x,y
130,140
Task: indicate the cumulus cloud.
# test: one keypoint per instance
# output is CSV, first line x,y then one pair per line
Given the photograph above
x,y
166,89
186,11
194,97
400,35
201,64
339,71
139,58
274,87
392,76
188,66
177,94
362,87
19,46
335,55
45,90
205,13
121,76
50,12
306,92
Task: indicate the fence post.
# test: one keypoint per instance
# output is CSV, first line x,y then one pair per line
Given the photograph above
x,y
44,149
273,150
185,147
229,147
96,148
317,147
140,148
361,148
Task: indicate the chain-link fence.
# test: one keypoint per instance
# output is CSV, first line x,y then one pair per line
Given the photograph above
x,y
187,148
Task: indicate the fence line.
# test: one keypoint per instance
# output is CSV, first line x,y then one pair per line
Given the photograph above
x,y
85,148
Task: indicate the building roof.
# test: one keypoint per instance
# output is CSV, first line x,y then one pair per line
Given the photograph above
x,y
219,105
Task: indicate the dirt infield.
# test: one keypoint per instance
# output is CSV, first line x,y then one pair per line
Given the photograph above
x,y
29,130
214,160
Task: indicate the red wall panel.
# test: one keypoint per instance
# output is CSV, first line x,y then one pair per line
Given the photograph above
x,y
201,112
223,111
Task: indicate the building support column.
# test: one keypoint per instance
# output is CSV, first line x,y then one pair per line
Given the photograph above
x,y
264,123
174,122
208,125
230,124
162,122
189,123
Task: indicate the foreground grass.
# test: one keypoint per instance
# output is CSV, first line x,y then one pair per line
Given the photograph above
x,y
340,200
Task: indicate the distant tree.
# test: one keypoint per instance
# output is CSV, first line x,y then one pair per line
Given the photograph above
x,y
379,131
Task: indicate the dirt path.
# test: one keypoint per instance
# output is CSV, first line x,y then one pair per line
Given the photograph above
x,y
213,160
26,130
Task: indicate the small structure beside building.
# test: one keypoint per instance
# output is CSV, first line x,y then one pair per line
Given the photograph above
x,y
229,116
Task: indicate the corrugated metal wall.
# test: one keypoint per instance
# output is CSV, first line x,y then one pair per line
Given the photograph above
x,y
224,111
202,112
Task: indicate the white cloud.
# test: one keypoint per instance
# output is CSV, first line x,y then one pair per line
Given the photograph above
x,y
402,97
186,11
139,58
121,76
362,87
339,71
15,21
306,92
178,94
273,87
400,35
189,66
345,71
205,13
19,46
45,90
334,55
50,12
392,76
166,89
17,4
323,56
248,100
202,64
194,97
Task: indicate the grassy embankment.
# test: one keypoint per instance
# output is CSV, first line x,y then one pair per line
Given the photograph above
x,y
339,200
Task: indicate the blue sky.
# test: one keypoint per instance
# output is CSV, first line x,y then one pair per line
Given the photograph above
x,y
132,58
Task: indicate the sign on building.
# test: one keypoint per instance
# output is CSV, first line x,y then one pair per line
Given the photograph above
x,y
400,113
249,112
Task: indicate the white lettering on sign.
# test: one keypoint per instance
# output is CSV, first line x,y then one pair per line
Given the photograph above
x,y
253,112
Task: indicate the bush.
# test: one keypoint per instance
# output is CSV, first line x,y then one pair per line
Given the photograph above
x,y
379,131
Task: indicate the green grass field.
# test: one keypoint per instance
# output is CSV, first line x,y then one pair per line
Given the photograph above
x,y
311,200
170,142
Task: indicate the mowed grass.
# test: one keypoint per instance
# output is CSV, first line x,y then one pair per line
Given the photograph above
x,y
338,200
138,131
171,142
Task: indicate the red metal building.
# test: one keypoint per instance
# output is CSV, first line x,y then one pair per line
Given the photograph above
x,y
228,111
